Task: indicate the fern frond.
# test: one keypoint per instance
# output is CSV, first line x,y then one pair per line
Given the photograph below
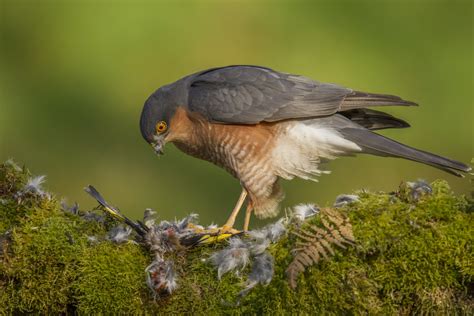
x,y
318,242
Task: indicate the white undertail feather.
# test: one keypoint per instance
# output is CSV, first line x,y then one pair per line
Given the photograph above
x,y
302,147
270,205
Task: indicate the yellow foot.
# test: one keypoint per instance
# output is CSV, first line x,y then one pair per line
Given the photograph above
x,y
209,236
226,230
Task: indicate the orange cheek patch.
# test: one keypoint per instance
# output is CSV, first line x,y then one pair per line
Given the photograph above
x,y
181,126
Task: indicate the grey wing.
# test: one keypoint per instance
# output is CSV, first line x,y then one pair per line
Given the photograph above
x,y
252,94
249,95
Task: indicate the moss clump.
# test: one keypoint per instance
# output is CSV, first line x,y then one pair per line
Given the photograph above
x,y
412,255
111,282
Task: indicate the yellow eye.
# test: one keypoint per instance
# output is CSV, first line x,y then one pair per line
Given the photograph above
x,y
161,127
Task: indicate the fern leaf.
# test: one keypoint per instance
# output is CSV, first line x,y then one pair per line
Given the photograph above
x,y
316,242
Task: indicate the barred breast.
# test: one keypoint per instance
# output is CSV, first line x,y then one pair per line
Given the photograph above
x,y
245,151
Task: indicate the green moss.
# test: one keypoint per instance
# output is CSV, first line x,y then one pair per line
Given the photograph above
x,y
111,279
12,179
411,257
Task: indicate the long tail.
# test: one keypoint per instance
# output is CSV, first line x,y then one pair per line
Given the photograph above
x,y
359,99
373,120
382,146
138,226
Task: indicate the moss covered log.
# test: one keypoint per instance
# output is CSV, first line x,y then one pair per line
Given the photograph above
x,y
412,254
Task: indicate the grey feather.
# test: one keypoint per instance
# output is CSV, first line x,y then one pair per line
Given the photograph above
x,y
359,99
382,146
374,120
345,199
262,272
251,94
235,257
419,188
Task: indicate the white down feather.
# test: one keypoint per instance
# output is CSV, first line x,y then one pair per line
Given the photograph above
x,y
301,148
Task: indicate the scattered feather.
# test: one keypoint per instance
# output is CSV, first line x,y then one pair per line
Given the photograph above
x,y
149,217
273,232
34,187
344,199
73,209
260,239
234,257
419,189
253,249
93,217
303,211
212,226
262,272
93,240
276,230
258,246
190,219
11,163
119,234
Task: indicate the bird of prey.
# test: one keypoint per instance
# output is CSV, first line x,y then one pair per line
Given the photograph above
x,y
262,125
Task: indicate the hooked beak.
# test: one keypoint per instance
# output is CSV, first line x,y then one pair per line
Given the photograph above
x,y
158,143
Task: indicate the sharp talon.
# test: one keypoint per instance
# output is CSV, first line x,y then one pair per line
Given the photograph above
x,y
228,230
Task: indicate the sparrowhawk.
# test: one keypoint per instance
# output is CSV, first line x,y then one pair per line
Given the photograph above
x,y
262,125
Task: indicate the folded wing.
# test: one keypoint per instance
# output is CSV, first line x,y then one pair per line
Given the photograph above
x,y
251,94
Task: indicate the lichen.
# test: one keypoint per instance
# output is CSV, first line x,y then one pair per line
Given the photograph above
x,y
413,254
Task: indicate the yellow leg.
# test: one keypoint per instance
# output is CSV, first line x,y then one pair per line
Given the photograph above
x,y
248,212
230,222
225,231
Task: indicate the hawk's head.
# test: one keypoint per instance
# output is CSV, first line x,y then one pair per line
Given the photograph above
x,y
155,119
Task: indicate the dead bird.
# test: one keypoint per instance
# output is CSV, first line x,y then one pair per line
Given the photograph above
x,y
170,236
161,277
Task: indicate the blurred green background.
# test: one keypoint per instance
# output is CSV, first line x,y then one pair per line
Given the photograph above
x,y
74,76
